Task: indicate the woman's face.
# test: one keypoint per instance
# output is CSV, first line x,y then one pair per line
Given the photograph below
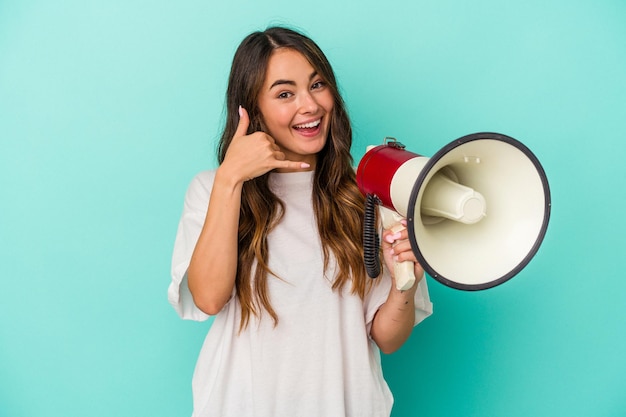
x,y
296,105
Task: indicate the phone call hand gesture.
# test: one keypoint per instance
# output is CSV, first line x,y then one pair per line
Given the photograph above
x,y
252,155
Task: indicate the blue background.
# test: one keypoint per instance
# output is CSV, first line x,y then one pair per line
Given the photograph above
x,y
107,110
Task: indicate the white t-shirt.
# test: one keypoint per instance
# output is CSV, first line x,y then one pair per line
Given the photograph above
x,y
320,359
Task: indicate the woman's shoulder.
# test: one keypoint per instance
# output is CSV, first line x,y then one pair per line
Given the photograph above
x,y
200,186
204,177
203,180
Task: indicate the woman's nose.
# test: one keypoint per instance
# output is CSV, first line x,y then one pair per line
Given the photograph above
x,y
308,104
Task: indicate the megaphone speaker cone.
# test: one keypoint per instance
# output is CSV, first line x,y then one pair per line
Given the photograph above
x,y
478,211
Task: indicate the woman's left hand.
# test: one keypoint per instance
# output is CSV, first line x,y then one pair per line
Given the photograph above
x,y
397,248
395,319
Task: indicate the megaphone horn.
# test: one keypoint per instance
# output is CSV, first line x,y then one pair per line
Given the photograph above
x,y
477,211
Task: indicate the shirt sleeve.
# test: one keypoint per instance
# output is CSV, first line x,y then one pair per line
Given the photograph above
x,y
191,222
423,305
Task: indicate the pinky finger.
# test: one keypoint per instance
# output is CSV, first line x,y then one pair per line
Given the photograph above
x,y
294,165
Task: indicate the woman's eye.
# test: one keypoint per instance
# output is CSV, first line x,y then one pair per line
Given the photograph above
x,y
284,94
318,84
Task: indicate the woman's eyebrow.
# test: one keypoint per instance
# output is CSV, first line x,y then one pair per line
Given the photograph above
x,y
290,82
282,82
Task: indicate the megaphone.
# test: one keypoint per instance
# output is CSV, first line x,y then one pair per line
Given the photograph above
x,y
477,210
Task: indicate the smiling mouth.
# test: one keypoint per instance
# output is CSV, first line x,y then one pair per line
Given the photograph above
x,y
308,126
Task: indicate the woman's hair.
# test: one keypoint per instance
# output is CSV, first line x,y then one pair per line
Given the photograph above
x,y
337,201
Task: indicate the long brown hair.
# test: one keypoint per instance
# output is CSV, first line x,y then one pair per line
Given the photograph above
x,y
337,201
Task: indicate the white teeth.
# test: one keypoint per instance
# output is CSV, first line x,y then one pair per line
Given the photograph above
x,y
308,125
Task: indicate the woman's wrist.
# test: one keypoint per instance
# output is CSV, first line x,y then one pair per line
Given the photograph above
x,y
402,297
227,177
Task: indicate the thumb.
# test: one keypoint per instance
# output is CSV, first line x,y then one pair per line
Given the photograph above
x,y
244,122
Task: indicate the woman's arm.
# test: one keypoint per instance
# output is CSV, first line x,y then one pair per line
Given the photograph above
x,y
213,267
395,319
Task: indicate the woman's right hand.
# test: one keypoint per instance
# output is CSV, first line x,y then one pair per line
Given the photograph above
x,y
213,268
252,155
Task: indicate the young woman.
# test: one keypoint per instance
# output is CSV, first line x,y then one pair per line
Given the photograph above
x,y
270,243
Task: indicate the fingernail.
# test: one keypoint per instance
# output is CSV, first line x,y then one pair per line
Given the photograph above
x,y
389,238
403,222
396,236
239,110
305,165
